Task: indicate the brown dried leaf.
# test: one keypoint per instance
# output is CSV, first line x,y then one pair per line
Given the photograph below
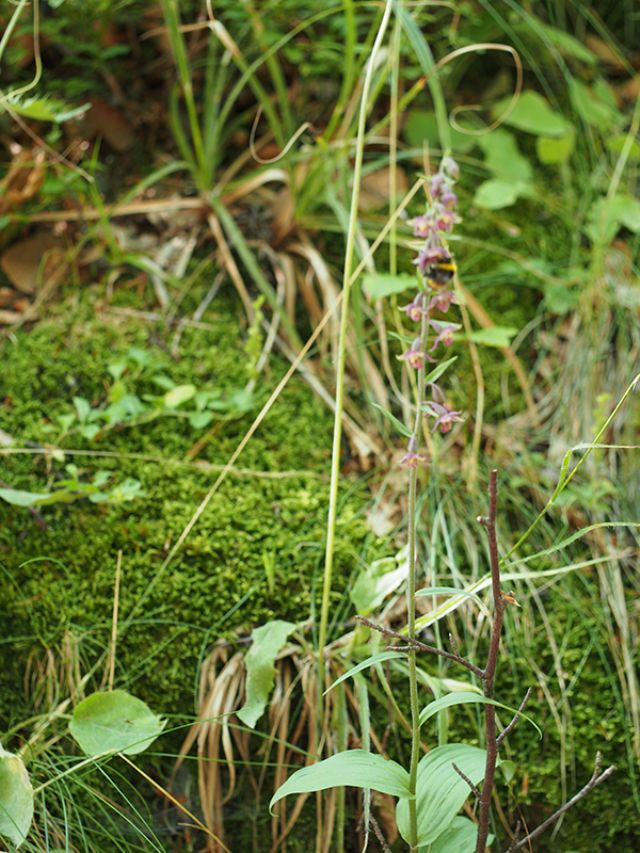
x,y
23,179
382,518
8,318
21,261
374,190
103,119
605,52
630,90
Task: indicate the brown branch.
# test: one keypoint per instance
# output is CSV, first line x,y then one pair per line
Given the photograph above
x,y
378,833
466,779
488,680
514,722
596,778
421,647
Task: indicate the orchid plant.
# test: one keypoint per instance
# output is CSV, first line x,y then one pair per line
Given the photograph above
x,y
436,785
434,788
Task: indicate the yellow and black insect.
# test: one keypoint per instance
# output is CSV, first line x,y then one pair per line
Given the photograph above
x,y
440,273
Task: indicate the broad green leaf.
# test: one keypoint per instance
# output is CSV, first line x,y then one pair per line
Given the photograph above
x,y
452,699
617,142
503,157
17,497
381,657
508,770
593,105
178,395
496,194
377,581
355,768
402,429
267,641
83,407
378,285
420,128
552,150
567,44
494,336
16,798
198,420
560,299
441,792
532,114
607,216
114,721
460,837
627,210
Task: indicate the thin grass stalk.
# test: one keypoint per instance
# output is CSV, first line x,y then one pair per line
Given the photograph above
x,y
275,72
348,69
13,20
172,18
342,346
393,142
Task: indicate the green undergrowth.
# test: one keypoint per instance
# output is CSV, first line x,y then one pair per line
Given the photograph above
x,y
252,555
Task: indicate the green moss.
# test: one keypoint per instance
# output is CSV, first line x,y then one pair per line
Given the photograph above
x,y
217,583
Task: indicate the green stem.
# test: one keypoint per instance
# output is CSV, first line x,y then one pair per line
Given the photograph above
x,y
393,143
342,344
411,603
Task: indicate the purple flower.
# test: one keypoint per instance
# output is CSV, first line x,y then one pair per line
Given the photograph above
x,y
415,309
444,219
437,185
444,333
432,252
411,459
449,166
444,416
443,300
415,356
423,225
449,199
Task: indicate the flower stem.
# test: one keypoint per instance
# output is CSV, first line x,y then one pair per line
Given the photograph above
x,y
411,604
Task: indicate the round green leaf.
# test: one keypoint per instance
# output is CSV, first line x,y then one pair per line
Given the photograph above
x,y
496,194
178,395
379,285
494,336
16,798
552,150
114,722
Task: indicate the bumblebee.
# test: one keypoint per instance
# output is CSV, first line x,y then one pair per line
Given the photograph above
x,y
440,273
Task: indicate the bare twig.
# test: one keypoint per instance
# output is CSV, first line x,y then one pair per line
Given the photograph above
x,y
421,647
378,833
515,719
596,778
466,779
499,605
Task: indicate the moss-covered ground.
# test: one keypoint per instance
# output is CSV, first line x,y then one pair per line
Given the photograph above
x,y
252,556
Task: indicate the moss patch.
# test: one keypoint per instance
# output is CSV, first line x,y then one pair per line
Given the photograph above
x,y
218,581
